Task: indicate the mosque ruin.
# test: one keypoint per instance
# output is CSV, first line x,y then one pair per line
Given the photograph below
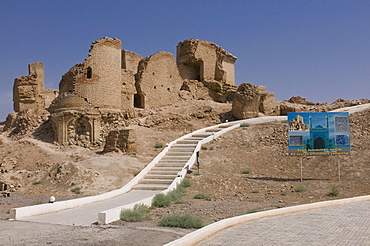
x,y
96,97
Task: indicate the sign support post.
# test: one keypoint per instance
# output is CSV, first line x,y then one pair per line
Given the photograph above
x,y
301,168
338,169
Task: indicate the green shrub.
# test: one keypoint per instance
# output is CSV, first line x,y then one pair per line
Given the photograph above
x,y
283,193
182,221
244,125
185,183
251,211
255,191
37,182
158,145
334,191
196,174
176,195
140,212
204,148
300,188
76,190
161,200
202,196
246,171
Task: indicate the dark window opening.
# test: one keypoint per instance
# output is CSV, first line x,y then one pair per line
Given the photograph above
x,y
89,73
139,101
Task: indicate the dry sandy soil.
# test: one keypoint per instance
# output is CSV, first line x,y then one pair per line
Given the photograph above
x,y
261,149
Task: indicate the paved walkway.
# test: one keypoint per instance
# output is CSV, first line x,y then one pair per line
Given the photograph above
x,y
340,225
88,214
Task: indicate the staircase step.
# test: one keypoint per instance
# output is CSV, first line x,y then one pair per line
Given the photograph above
x,y
187,141
169,164
184,146
204,134
163,172
174,169
194,138
186,150
150,187
175,157
183,153
156,181
160,176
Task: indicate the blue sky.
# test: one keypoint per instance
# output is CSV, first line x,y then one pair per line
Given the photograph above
x,y
315,49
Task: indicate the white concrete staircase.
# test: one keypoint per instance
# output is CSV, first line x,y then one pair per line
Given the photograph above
x,y
169,166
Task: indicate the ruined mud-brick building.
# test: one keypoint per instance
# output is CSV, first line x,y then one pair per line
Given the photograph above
x,y
206,68
29,91
96,97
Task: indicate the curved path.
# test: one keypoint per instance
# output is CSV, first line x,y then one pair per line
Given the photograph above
x,y
340,225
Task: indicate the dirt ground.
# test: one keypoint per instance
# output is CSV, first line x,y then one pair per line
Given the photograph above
x,y
42,169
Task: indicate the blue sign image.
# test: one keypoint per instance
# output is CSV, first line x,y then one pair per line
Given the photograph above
x,y
318,133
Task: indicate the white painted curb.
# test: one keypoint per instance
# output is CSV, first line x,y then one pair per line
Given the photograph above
x,y
199,235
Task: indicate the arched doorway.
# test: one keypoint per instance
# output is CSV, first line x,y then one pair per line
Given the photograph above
x,y
319,143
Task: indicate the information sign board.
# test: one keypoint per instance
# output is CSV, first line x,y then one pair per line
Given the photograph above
x,y
318,133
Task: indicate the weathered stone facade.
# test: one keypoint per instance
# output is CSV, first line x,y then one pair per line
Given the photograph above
x,y
121,140
202,60
97,97
158,81
92,92
29,91
251,100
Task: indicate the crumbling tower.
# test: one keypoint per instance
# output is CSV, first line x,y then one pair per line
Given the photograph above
x,y
28,89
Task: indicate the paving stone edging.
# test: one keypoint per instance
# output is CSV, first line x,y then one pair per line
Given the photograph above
x,y
199,235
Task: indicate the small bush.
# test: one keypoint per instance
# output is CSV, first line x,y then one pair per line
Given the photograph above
x,y
176,195
246,171
37,182
255,191
211,148
251,211
185,183
158,145
161,200
140,212
300,188
204,148
202,196
76,190
334,191
183,221
283,193
196,174
244,125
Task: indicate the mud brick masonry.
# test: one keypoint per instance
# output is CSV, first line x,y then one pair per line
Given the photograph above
x,y
97,97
